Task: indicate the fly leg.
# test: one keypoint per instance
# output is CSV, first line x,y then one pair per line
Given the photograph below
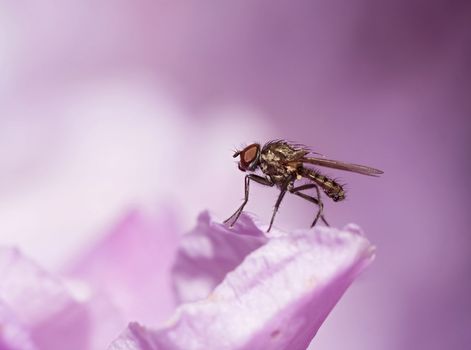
x,y
285,187
259,179
311,199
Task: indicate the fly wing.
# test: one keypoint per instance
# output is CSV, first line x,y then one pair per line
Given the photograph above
x,y
335,164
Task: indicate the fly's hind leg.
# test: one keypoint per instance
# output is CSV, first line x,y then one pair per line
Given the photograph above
x,y
317,201
259,179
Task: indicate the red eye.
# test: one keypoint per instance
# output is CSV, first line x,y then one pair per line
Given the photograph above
x,y
248,155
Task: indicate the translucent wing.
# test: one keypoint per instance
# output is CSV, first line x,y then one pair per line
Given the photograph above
x,y
335,164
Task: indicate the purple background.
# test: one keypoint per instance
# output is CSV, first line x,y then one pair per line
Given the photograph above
x,y
110,103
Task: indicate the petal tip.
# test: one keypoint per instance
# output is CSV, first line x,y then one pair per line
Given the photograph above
x,y
354,228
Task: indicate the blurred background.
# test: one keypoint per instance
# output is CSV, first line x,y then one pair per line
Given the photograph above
x,y
105,105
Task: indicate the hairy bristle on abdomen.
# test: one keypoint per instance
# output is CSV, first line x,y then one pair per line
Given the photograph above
x,y
330,187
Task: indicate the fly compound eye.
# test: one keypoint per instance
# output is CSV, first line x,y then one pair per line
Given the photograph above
x,y
249,157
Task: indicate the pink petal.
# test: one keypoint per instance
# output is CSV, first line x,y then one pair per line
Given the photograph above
x,y
132,265
13,336
277,298
209,252
38,308
42,303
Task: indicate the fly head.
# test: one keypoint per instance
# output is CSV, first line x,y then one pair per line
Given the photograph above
x,y
249,157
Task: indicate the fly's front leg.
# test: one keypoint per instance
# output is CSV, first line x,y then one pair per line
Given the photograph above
x,y
311,199
259,179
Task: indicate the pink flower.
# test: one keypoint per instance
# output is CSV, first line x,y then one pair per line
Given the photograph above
x,y
236,288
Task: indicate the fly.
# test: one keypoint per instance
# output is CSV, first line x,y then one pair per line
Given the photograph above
x,y
282,164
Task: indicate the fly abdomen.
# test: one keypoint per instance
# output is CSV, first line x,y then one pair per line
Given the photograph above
x,y
330,187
